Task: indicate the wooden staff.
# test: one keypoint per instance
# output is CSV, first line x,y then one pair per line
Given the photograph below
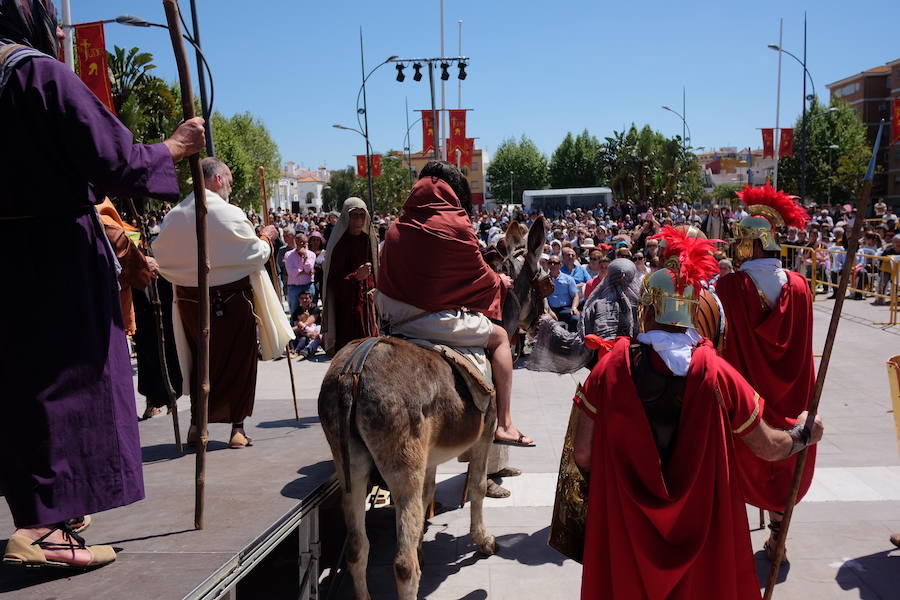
x,y
264,196
153,292
202,358
853,243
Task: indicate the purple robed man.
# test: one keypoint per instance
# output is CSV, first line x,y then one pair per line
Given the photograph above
x,y
71,444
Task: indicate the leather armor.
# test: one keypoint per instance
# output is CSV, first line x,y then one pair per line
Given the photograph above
x,y
661,395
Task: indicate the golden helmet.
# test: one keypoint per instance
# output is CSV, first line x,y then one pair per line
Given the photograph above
x,y
767,210
674,290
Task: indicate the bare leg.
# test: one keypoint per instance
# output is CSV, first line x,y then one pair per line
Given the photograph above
x,y
501,364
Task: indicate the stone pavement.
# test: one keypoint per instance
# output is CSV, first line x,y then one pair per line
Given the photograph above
x,y
838,545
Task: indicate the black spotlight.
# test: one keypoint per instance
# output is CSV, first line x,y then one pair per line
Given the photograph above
x,y
417,76
462,70
445,75
400,75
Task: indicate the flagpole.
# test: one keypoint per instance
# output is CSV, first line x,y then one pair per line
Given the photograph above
x,y
68,30
776,135
443,115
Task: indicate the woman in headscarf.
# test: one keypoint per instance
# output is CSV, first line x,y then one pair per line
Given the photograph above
x,y
609,312
351,262
71,446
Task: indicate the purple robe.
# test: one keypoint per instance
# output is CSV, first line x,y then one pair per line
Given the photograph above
x,y
70,438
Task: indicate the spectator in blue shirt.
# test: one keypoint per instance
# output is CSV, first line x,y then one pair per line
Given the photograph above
x,y
564,299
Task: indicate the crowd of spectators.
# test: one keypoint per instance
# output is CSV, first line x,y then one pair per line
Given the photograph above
x,y
582,242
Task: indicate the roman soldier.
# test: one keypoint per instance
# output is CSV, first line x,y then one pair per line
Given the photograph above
x,y
769,315
659,425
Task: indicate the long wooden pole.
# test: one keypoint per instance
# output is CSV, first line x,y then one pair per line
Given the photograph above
x,y
153,292
862,204
264,196
202,358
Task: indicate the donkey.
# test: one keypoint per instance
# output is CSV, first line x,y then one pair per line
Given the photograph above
x,y
411,413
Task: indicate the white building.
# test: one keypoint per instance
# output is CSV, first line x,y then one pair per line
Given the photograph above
x,y
300,189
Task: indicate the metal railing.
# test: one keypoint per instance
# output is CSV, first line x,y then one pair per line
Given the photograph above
x,y
871,275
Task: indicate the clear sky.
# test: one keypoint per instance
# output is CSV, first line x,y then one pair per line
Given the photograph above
x,y
538,68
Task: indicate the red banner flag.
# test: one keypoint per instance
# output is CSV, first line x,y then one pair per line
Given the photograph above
x,y
362,168
92,66
895,122
376,165
468,151
427,131
786,145
458,127
768,143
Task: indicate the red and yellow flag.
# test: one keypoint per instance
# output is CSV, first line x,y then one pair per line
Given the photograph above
x,y
376,165
468,150
786,144
895,122
768,135
90,49
427,131
362,168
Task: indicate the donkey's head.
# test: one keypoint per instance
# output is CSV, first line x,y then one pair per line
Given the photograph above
x,y
526,301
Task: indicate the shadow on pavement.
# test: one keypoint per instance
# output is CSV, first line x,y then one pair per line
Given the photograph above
x,y
311,476
163,452
302,424
875,576
762,569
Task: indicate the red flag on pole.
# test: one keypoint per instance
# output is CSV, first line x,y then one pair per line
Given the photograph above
x,y
895,122
92,66
457,127
468,150
362,168
786,145
427,131
768,142
376,165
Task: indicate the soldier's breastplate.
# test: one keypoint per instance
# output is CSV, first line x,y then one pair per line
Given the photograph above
x,y
661,395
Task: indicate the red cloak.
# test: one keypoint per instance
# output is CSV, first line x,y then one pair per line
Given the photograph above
x,y
772,349
678,534
431,257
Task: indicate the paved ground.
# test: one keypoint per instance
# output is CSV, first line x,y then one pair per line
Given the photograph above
x,y
838,545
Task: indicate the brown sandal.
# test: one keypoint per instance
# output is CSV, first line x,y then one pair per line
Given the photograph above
x,y
771,545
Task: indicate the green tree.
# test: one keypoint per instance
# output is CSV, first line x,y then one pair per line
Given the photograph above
x,y
244,144
833,176
339,188
516,167
574,162
145,104
726,194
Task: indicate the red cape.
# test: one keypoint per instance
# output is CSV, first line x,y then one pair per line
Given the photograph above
x,y
431,257
681,534
772,349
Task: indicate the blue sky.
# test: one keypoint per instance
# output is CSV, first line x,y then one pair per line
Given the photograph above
x,y
538,68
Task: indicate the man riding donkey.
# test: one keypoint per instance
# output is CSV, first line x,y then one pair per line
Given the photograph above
x,y
769,341
657,428
434,284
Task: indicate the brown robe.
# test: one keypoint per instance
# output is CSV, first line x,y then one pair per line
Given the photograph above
x,y
232,343
349,300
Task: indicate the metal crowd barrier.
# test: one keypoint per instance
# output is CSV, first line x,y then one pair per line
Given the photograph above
x,y
871,275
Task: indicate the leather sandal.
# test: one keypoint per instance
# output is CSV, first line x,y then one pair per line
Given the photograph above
x,y
79,524
494,490
22,551
506,472
239,440
771,544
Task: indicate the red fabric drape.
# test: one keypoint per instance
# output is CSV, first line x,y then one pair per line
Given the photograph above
x,y
678,534
786,144
772,349
768,136
431,256
92,64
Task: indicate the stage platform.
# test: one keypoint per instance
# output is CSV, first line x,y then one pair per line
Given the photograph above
x,y
264,508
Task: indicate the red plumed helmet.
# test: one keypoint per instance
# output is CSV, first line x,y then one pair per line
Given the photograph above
x,y
689,258
790,211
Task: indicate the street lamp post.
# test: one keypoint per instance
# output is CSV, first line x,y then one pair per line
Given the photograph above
x,y
511,188
406,146
368,162
684,140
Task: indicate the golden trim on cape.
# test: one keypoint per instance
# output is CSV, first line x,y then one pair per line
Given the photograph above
x,y
752,418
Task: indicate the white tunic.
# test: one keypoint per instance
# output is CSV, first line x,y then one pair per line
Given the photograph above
x,y
768,276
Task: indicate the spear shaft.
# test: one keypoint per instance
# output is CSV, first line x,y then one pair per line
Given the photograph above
x,y
853,243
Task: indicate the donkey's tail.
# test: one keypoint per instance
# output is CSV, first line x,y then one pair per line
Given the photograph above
x,y
348,391
348,388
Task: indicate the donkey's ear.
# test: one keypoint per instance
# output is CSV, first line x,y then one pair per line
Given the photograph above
x,y
515,237
537,237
